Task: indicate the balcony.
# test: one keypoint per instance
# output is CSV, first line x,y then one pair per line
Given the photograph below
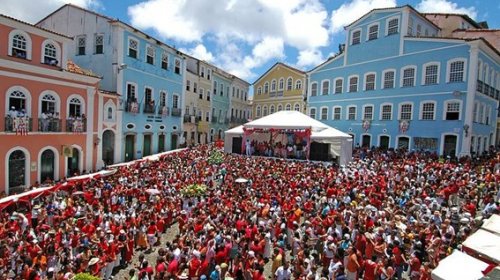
x,y
49,125
280,93
163,110
214,119
272,94
176,112
149,108
132,107
76,125
18,124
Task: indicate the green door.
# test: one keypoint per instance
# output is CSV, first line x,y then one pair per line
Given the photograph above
x,y
129,147
74,163
47,166
384,142
161,143
174,142
146,147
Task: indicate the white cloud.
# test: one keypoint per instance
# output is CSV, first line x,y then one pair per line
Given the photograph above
x,y
24,9
444,6
353,10
200,52
267,49
309,58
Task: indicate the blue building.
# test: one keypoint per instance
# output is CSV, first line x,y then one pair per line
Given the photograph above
x,y
397,83
147,74
220,104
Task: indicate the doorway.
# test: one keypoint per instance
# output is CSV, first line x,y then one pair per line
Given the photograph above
x,y
237,141
129,147
403,143
366,141
74,163
384,142
47,166
146,145
108,144
450,145
161,143
173,145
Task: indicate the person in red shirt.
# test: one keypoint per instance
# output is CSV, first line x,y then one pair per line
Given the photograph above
x,y
160,268
370,269
194,266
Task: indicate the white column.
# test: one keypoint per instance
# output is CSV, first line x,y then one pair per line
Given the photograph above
x,y
469,99
100,116
89,147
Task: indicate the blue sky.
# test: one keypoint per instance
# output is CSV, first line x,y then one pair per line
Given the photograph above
x,y
246,37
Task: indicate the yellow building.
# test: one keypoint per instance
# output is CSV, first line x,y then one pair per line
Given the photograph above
x,y
281,88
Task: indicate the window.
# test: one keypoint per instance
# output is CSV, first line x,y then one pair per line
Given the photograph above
x,y
405,111
281,85
175,101
452,111
476,111
164,60
259,90
207,116
389,79
312,113
353,84
200,96
257,111
195,87
209,72
75,107
208,95
215,87
427,111
163,99
373,32
356,37
266,87
338,85
289,84
17,169
81,41
314,89
202,72
431,74
50,54
325,87
298,84
370,82
177,69
221,90
264,111
408,77
133,47
271,109
351,113
130,92
297,107
99,44
18,100
456,71
368,113
188,85
19,44
288,107
410,27
148,96
386,112
150,55
110,113
419,30
392,26
337,112
324,113
273,85
48,104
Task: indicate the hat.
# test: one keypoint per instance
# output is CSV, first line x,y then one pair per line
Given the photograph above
x,y
93,261
251,253
184,275
464,221
51,269
13,107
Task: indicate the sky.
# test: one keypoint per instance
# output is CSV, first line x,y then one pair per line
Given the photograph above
x,y
246,37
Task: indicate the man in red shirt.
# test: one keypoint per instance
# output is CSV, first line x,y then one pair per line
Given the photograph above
x,y
370,268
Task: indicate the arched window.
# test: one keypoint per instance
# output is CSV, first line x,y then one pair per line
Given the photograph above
x,y
298,84
110,113
19,48
50,54
257,111
48,104
280,107
288,107
273,85
266,87
281,84
289,84
17,100
297,107
271,109
47,165
17,169
264,111
75,107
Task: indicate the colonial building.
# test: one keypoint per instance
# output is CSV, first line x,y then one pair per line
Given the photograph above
x,y
398,83
49,127
239,104
280,88
146,73
220,104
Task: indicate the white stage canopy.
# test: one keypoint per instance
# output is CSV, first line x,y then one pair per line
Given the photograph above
x,y
459,266
340,143
492,224
484,244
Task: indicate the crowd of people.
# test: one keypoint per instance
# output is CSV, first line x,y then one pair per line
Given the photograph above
x,y
390,215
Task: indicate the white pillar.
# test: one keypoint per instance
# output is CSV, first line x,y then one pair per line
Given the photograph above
x,y
100,116
89,145
469,99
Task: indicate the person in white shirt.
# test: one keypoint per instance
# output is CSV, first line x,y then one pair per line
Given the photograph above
x,y
13,112
283,272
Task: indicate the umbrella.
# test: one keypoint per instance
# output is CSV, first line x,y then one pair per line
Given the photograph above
x,y
241,180
153,191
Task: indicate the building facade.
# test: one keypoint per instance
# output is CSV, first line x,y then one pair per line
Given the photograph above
x,y
280,88
49,128
204,101
397,83
239,104
146,73
220,104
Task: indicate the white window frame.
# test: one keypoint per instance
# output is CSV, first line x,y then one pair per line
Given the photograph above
x,y
335,85
340,113
421,110
266,87
259,90
387,25
177,61
95,42
136,95
445,108
258,111
57,101
349,83
164,59
352,36
279,108
28,42
374,81
274,84
82,104
368,31
314,83
448,69
160,97
373,111
381,115
148,46
281,84
289,84
315,113
178,101
401,77
128,47
322,87
321,113
355,112
272,109
424,72
265,112
393,80
400,106
295,107
298,84
288,107
58,51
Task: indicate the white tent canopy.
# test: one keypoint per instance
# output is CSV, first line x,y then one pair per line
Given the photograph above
x,y
485,244
459,266
340,143
492,224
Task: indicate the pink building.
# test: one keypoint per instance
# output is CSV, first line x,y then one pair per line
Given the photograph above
x,y
50,127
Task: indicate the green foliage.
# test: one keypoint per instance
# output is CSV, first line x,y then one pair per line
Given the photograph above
x,y
194,190
85,276
216,157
